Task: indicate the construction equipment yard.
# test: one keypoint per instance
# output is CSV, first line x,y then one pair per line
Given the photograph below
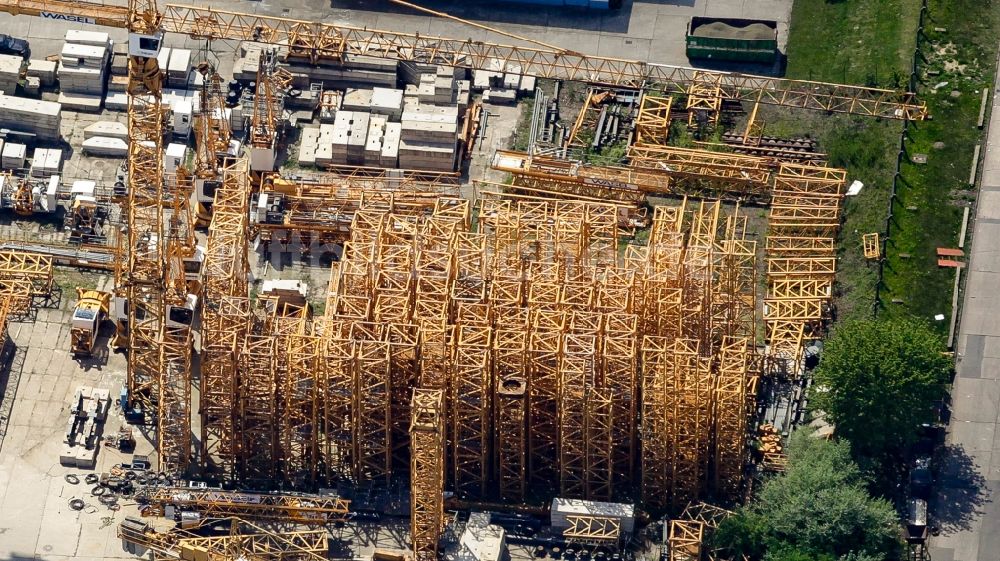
x,y
322,283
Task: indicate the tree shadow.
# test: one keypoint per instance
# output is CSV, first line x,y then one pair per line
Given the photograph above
x,y
961,490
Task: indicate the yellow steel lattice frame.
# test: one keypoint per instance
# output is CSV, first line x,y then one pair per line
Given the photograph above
x,y
314,511
427,467
652,125
704,96
594,530
257,460
684,541
730,422
804,221
470,414
871,246
223,324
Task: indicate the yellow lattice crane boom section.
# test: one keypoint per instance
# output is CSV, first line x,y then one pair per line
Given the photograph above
x,y
315,41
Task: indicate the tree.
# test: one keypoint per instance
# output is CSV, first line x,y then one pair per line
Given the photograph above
x,y
878,380
818,510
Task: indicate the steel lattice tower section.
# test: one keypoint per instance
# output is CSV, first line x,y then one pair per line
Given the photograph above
x,y
257,460
427,467
510,408
470,403
298,439
224,327
803,223
544,351
730,420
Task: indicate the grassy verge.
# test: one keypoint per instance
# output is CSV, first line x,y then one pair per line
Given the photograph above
x,y
852,41
872,43
959,54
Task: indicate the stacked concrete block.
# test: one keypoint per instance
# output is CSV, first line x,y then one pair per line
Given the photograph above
x,y
41,118
117,84
308,143
427,156
428,135
410,72
339,135
357,136
373,139
112,129
463,94
429,123
84,37
437,89
357,72
44,70
357,99
11,70
323,153
388,102
105,146
46,162
13,155
119,60
389,156
488,77
84,62
500,97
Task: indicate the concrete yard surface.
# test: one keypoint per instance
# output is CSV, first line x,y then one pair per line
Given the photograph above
x,y
647,30
35,518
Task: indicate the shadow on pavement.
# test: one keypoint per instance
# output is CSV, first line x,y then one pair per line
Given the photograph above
x,y
498,11
961,492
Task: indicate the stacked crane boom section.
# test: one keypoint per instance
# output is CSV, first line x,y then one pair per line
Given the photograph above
x,y
312,510
325,205
801,262
245,540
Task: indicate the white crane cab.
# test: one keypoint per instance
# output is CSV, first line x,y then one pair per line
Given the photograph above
x,y
145,45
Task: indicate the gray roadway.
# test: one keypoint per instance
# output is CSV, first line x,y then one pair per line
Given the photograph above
x,y
967,508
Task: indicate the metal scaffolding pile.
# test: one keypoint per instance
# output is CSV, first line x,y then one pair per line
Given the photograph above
x,y
530,328
556,359
801,260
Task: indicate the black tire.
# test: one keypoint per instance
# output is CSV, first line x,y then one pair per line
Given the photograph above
x,y
98,491
108,499
71,479
92,478
77,504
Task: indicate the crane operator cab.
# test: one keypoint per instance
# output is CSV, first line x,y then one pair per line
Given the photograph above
x,y
145,45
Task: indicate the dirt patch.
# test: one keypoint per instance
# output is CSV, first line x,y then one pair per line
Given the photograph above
x,y
954,67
